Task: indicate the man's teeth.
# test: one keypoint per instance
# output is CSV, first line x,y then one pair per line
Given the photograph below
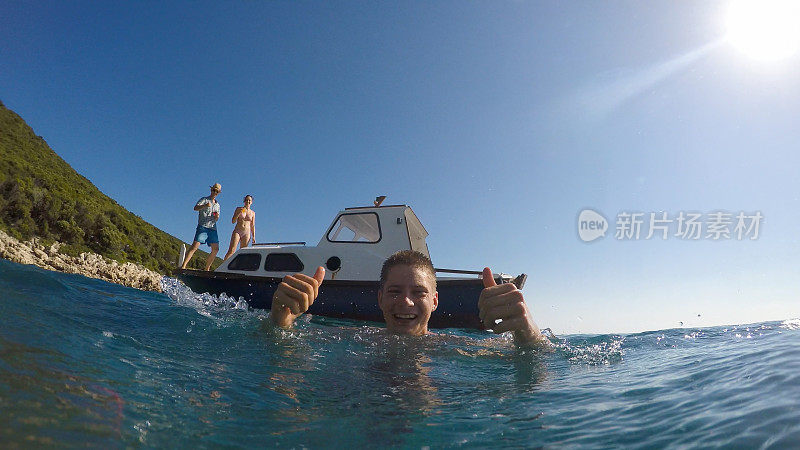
x,y
405,316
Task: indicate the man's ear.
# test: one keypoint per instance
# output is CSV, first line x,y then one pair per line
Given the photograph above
x,y
380,299
435,300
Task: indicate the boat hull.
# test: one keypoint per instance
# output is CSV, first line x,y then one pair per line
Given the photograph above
x,y
458,298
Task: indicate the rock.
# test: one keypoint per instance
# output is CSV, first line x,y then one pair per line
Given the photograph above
x,y
87,264
53,250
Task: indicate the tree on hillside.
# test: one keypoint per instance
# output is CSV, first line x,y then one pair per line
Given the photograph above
x,y
42,196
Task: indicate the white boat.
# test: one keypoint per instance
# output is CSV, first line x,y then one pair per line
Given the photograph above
x,y
352,250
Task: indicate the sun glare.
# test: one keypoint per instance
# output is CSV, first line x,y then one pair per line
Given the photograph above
x,y
767,30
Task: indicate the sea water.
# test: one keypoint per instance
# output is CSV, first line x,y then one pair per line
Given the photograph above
x,y
88,363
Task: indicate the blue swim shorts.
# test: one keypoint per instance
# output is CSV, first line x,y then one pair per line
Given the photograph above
x,y
205,235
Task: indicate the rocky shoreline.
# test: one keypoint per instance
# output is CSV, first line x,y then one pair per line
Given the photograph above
x,y
88,264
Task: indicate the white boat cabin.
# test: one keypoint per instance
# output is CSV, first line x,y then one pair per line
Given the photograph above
x,y
353,247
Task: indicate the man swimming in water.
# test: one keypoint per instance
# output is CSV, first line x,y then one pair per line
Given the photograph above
x,y
407,296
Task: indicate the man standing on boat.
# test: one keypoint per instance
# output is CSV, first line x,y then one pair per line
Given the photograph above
x,y
407,296
207,215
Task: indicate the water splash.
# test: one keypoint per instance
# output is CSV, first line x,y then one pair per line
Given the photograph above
x,y
791,324
602,350
222,309
176,290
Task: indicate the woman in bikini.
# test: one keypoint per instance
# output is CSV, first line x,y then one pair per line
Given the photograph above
x,y
245,220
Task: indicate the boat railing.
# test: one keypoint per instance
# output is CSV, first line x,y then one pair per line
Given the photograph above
x,y
464,272
278,243
519,281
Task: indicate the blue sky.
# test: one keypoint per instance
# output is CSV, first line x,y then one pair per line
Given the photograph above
x,y
497,121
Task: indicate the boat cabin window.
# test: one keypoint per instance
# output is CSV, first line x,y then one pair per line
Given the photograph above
x,y
283,262
356,227
245,261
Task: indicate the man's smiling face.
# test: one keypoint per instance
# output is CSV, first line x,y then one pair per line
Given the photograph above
x,y
407,299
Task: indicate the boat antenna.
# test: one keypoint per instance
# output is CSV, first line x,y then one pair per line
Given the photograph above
x,y
378,200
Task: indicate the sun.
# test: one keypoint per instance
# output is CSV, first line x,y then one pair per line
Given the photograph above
x,y
767,30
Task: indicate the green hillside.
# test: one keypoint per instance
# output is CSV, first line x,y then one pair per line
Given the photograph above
x,y
42,196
